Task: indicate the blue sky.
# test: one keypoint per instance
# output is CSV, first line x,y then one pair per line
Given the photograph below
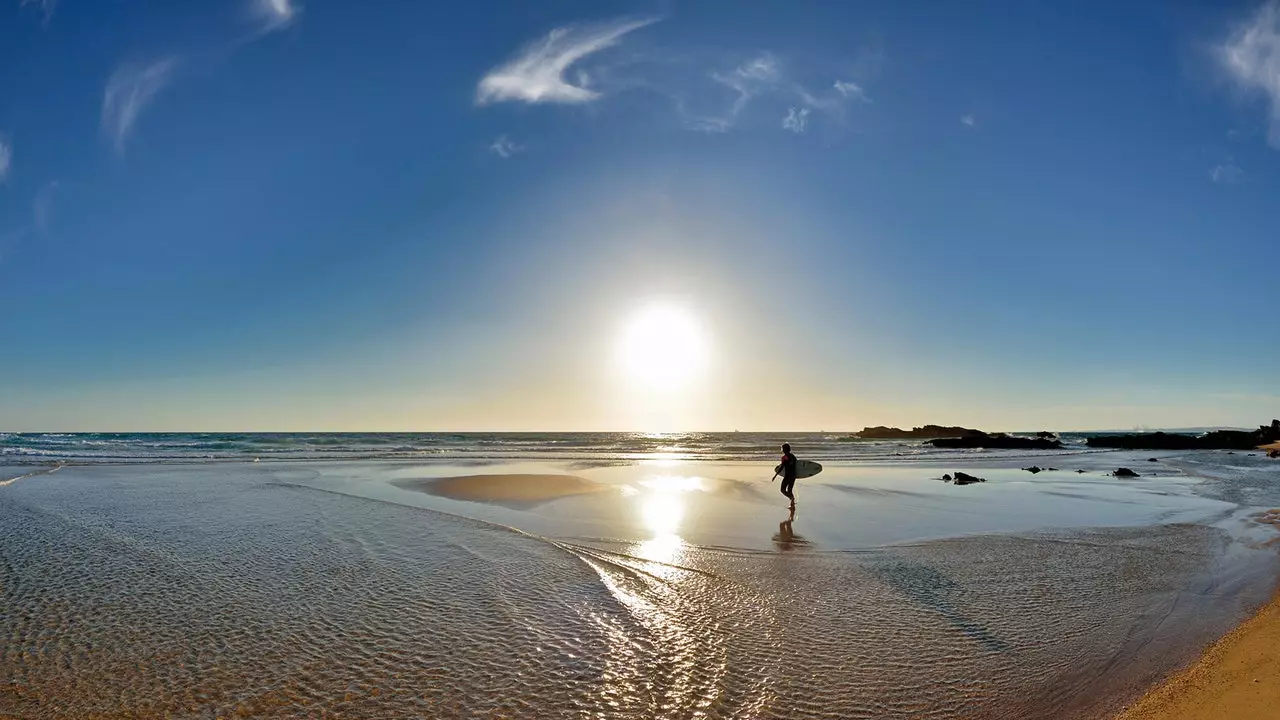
x,y
338,215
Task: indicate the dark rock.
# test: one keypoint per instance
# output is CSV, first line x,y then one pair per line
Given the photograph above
x,y
1125,472
1153,459
1215,440
928,432
1274,454
997,440
1080,472
947,477
967,479
1051,469
1034,469
1046,435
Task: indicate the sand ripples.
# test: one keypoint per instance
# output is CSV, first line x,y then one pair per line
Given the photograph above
x,y
223,594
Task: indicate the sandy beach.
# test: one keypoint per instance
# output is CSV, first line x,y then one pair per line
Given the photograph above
x,y
512,490
648,589
1238,677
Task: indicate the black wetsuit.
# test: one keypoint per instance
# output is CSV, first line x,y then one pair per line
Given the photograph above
x,y
788,474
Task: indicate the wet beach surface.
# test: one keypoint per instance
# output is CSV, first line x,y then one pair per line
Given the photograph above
x,y
675,590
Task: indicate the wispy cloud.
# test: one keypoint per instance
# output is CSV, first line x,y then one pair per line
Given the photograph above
x,y
537,73
749,80
1251,56
969,120
46,8
42,207
1226,173
851,90
6,156
504,147
273,15
796,120
129,89
753,78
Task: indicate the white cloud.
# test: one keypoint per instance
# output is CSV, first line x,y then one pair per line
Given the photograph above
x,y
750,80
504,147
273,15
42,208
6,155
796,120
1251,56
969,120
129,89
537,73
1227,173
851,90
46,7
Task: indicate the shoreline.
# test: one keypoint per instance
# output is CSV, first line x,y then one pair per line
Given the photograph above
x,y
1236,677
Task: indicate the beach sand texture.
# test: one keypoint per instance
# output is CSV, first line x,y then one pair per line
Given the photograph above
x,y
518,490
1238,677
264,590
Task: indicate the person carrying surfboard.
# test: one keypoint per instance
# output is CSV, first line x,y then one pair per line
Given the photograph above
x,y
788,471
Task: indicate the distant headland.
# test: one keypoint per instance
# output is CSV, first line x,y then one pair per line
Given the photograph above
x,y
1266,437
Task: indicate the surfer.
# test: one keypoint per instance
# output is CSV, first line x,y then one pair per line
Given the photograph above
x,y
788,471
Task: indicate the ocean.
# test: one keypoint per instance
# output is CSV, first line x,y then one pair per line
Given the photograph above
x,y
445,447
608,575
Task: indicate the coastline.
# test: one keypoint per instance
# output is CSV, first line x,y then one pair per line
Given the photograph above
x,y
1236,677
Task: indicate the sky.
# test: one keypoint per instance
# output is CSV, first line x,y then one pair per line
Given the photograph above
x,y
331,215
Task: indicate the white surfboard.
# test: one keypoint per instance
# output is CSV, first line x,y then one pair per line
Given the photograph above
x,y
804,469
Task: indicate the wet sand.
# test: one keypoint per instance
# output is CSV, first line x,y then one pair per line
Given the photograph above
x,y
1238,677
511,490
660,589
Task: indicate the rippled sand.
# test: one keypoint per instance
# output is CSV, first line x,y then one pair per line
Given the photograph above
x,y
237,591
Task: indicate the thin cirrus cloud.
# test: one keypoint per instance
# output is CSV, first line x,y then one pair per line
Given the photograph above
x,y
6,156
851,90
764,76
272,15
796,120
504,147
129,90
46,8
42,207
969,120
1226,173
537,73
1251,57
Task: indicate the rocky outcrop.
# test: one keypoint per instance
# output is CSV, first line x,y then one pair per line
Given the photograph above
x,y
1125,472
998,441
1215,440
963,478
928,432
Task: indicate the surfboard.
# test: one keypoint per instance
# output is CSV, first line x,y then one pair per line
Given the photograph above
x,y
804,469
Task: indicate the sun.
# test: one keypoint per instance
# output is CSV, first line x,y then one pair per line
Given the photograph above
x,y
663,346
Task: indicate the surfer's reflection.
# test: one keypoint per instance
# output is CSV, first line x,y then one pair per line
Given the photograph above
x,y
786,538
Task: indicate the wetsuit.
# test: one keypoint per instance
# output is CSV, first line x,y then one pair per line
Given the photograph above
x,y
788,474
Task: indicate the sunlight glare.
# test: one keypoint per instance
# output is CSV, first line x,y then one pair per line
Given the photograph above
x,y
663,346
